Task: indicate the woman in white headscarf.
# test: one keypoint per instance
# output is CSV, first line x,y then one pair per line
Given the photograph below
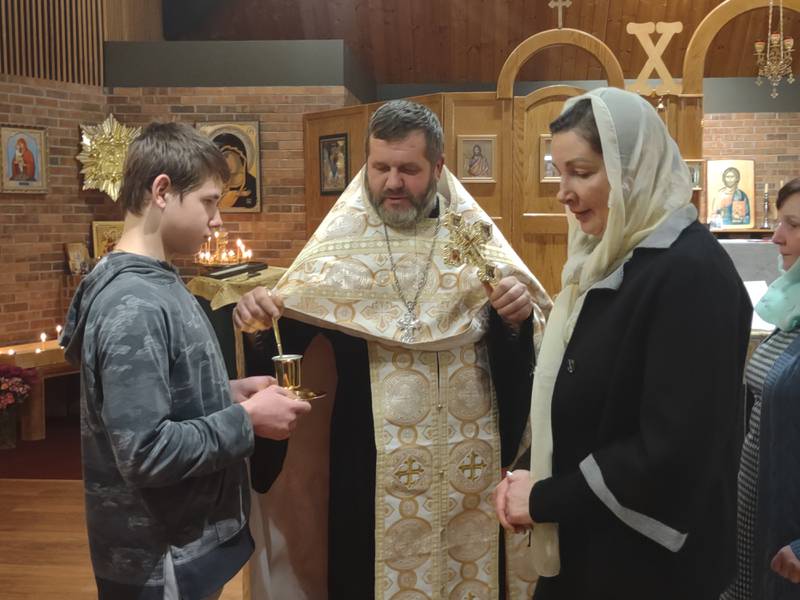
x,y
635,427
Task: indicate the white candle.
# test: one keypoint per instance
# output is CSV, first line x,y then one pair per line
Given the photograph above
x,y
766,188
43,337
779,189
58,330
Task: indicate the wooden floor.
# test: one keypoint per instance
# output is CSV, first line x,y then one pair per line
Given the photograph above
x,y
44,553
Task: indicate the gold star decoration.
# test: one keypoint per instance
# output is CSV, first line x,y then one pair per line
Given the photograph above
x,y
103,151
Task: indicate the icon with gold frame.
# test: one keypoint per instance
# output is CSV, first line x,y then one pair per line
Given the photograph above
x,y
105,235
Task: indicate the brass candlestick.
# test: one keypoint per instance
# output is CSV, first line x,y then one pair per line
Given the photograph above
x,y
288,372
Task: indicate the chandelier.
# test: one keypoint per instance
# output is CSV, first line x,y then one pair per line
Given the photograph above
x,y
776,62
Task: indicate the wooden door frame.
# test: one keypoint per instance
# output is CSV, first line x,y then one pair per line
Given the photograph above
x,y
559,37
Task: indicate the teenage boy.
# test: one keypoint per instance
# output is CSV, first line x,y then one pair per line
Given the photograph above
x,y
164,433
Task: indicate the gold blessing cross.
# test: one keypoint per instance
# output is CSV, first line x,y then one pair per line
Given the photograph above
x,y
466,245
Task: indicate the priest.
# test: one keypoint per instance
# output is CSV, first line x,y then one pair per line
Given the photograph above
x,y
385,494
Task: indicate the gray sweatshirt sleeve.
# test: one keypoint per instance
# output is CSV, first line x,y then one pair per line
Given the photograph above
x,y
162,433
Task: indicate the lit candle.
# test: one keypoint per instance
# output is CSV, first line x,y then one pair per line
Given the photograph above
x,y
12,352
248,254
38,351
58,330
43,337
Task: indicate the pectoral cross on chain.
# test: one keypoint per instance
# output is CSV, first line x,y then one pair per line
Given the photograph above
x,y
466,245
560,5
409,325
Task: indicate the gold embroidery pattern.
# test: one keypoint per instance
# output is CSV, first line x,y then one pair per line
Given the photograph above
x,y
437,537
345,262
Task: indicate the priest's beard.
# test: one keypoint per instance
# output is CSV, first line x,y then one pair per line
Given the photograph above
x,y
421,206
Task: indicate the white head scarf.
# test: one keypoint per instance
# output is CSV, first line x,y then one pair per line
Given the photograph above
x,y
648,182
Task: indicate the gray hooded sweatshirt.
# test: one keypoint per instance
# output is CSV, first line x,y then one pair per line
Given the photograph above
x,y
163,445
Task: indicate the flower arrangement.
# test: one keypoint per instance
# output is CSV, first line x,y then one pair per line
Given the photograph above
x,y
15,385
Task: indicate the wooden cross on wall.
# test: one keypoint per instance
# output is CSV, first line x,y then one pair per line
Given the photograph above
x,y
560,5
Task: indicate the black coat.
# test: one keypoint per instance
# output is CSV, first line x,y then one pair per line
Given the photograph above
x,y
648,403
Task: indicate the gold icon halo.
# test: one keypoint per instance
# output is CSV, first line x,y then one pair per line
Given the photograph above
x,y
103,151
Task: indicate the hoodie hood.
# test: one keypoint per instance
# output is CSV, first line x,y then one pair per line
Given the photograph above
x,y
107,270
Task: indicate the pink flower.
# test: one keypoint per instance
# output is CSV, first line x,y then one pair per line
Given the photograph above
x,y
15,385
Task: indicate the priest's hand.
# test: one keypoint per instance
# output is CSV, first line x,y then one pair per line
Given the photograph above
x,y
257,309
274,412
512,301
786,564
242,389
511,497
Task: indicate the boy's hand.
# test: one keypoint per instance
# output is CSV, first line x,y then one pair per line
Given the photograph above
x,y
257,309
242,389
274,412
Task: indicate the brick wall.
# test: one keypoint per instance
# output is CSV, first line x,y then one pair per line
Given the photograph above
x,y
278,232
34,227
771,139
34,287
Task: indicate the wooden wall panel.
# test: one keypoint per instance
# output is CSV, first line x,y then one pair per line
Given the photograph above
x,y
132,21
417,41
539,222
478,113
60,40
351,120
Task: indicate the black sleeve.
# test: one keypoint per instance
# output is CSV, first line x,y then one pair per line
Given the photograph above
x,y
268,455
511,359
